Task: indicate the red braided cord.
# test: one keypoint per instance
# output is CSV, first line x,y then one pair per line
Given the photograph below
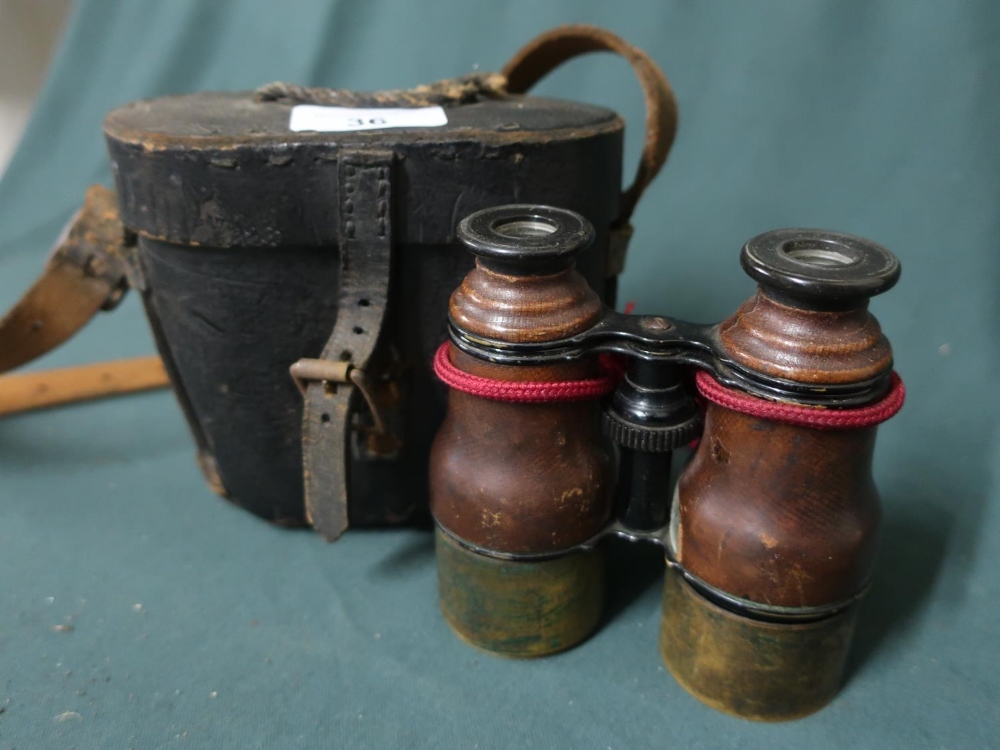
x,y
503,390
804,416
709,388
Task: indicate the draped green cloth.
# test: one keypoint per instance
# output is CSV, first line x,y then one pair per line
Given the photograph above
x,y
194,625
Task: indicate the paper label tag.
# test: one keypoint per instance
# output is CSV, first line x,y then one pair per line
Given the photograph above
x,y
341,119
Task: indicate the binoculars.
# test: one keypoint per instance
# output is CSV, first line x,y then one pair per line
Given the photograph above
x,y
561,420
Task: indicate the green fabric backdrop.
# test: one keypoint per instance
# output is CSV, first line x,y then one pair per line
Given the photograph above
x,y
196,626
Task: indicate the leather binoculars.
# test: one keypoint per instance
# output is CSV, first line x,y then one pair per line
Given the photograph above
x,y
562,418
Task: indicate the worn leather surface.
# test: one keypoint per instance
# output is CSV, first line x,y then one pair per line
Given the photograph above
x,y
239,267
85,273
852,116
223,170
230,188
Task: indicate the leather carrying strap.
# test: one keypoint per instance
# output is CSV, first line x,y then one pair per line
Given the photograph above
x,y
333,384
548,51
41,390
84,274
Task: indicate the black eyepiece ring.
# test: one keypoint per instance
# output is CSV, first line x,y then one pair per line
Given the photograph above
x,y
814,265
525,239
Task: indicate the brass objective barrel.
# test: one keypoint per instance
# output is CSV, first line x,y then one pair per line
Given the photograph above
x,y
775,525
521,479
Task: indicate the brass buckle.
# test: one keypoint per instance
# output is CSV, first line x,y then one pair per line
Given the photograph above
x,y
307,371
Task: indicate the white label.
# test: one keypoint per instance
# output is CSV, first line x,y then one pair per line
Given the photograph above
x,y
342,119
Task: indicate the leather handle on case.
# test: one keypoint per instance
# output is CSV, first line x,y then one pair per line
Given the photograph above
x,y
84,275
548,51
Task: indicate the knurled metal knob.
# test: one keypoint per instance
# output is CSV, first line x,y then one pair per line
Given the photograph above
x,y
649,438
650,411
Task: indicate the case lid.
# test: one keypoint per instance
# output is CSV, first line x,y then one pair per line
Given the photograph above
x,y
228,170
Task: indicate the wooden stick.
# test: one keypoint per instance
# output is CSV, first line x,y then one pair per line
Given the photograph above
x,y
39,390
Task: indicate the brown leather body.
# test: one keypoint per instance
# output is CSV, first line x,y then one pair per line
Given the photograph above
x,y
779,514
775,513
516,477
522,477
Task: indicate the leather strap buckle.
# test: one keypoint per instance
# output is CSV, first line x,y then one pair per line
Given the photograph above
x,y
307,371
364,178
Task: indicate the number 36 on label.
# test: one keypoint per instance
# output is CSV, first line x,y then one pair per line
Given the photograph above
x,y
310,117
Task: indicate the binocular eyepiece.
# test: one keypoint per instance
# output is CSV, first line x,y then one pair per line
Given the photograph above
x,y
562,419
